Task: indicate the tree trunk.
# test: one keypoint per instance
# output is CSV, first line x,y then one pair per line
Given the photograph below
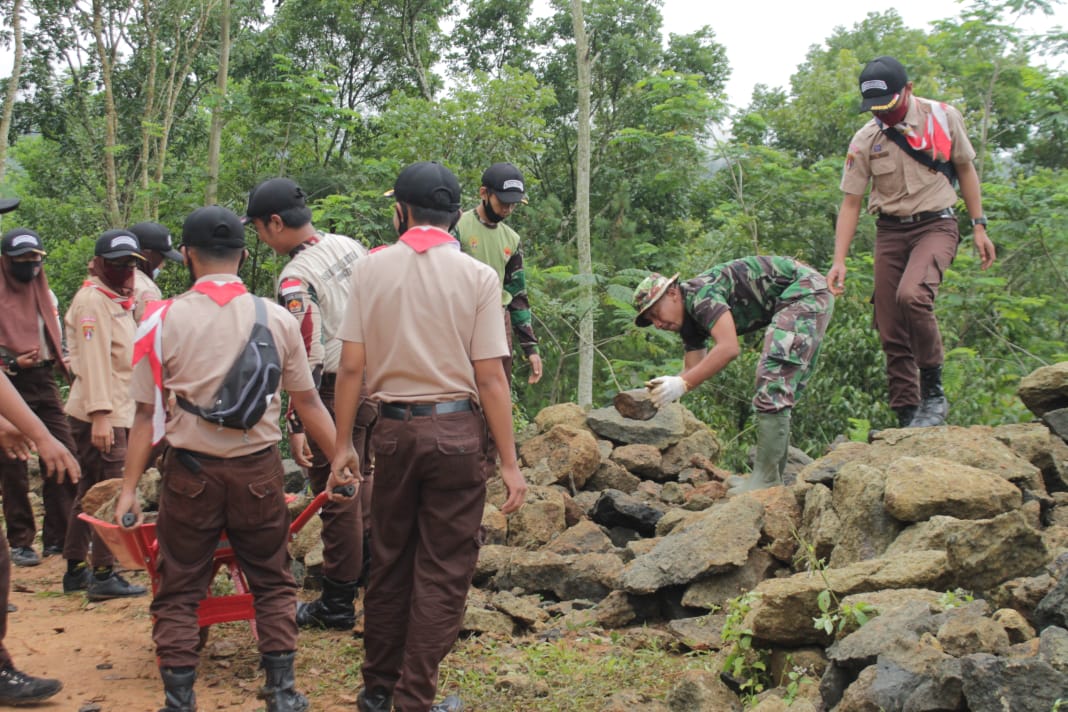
x,y
12,85
582,208
146,210
215,138
104,53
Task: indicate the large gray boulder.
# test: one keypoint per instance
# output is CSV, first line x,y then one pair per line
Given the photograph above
x,y
783,613
976,447
713,592
820,524
565,455
1045,389
993,684
667,427
616,509
586,576
1053,608
919,488
865,528
718,540
1036,444
539,520
701,443
982,553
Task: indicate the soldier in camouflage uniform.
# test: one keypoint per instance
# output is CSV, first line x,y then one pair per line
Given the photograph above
x,y
738,297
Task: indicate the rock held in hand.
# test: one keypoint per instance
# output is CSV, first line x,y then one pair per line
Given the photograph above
x,y
635,404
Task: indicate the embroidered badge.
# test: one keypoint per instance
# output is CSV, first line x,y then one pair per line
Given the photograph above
x,y
87,331
295,305
849,161
876,148
474,243
288,286
507,252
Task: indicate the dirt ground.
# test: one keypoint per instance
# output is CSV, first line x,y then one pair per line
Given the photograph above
x,y
104,655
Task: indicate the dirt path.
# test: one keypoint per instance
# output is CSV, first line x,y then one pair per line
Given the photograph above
x,y
104,655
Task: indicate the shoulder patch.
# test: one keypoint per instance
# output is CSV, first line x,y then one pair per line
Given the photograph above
x,y
88,330
289,286
295,304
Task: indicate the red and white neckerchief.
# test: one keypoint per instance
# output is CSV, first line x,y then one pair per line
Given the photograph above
x,y
220,292
126,303
313,240
422,237
932,135
148,341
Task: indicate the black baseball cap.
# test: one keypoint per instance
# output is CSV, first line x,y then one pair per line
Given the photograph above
x,y
8,204
113,244
19,241
881,83
505,181
428,184
213,226
273,196
156,237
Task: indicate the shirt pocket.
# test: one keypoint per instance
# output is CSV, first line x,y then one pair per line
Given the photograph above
x,y
882,166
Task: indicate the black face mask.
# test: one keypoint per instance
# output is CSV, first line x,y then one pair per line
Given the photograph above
x,y
25,271
402,220
492,216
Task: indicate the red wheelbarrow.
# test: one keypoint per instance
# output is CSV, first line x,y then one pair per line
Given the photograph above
x,y
138,548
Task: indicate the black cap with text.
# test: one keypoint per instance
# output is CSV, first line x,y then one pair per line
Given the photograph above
x,y
113,244
881,83
505,181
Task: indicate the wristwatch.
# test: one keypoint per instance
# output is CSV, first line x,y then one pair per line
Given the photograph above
x,y
979,221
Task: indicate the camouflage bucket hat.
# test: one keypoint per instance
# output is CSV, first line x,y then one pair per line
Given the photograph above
x,y
649,292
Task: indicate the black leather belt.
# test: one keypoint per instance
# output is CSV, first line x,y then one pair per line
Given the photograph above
x,y
918,217
401,411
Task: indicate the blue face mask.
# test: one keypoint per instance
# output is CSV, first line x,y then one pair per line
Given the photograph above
x,y
155,273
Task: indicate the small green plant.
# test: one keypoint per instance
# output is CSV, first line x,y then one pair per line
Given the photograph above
x,y
955,598
1057,704
746,664
793,678
858,430
834,616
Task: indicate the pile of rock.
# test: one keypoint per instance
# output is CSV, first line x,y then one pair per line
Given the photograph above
x,y
627,524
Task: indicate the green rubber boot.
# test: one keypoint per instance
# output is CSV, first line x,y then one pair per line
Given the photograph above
x,y
773,443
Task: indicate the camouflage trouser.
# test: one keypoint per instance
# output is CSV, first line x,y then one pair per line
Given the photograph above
x,y
792,343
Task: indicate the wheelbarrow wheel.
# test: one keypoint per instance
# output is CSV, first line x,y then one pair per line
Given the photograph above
x,y
202,638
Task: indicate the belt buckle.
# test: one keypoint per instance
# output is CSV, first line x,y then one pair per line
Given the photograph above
x,y
907,220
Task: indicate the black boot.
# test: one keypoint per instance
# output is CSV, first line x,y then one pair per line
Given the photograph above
x,y
905,414
334,609
178,695
279,692
933,406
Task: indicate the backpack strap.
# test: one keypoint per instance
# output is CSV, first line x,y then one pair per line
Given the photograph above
x,y
946,168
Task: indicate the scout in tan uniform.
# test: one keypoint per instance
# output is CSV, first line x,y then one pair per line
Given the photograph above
x,y
31,349
913,193
424,320
100,334
217,478
314,287
19,431
156,247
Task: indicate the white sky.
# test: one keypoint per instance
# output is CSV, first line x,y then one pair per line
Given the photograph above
x,y
768,39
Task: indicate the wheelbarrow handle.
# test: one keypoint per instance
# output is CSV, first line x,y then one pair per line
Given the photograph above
x,y
129,519
316,504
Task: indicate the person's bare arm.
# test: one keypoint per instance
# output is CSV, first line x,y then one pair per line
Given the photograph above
x,y
973,201
844,230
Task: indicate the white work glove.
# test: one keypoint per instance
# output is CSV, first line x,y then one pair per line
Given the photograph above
x,y
666,389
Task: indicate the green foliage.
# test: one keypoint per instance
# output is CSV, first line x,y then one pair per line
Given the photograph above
x,y
746,664
955,599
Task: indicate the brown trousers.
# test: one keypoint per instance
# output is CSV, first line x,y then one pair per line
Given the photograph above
x,y
344,523
38,388
245,497
5,592
910,261
97,466
430,488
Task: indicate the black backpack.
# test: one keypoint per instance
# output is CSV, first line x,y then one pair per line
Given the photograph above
x,y
250,383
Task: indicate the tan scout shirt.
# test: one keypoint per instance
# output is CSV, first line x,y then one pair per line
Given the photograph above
x,y
900,185
199,343
314,287
145,291
100,335
423,318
